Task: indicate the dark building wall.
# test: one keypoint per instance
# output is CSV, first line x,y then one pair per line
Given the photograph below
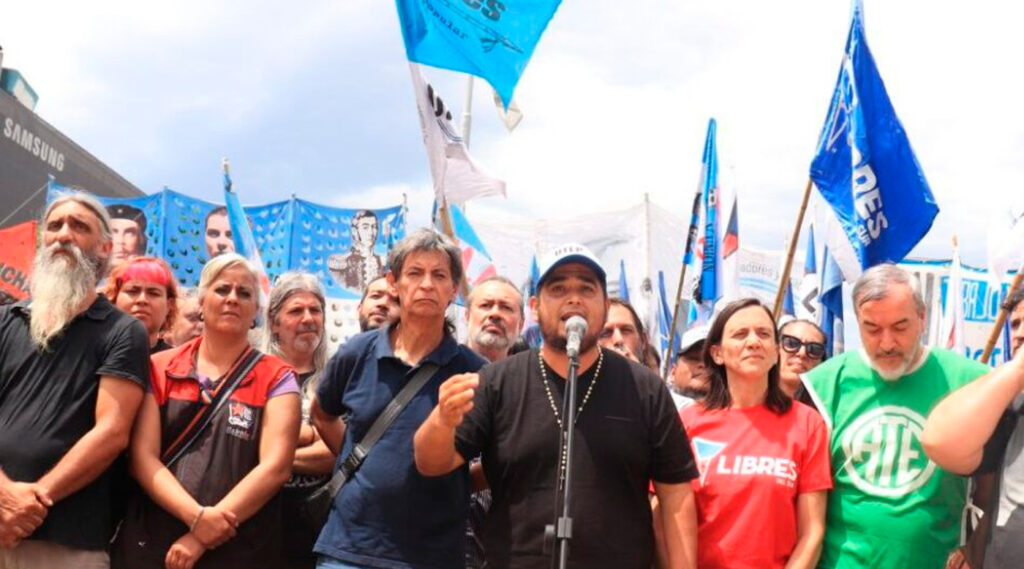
x,y
30,150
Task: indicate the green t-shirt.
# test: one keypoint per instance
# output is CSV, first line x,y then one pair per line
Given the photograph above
x,y
891,507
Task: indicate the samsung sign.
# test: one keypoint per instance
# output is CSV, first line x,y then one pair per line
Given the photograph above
x,y
33,144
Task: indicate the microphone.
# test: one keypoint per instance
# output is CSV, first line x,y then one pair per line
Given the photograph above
x,y
575,328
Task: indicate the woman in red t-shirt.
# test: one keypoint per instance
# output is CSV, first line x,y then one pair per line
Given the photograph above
x,y
763,458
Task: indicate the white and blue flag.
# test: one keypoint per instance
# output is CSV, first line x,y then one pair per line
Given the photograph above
x,y
865,168
491,39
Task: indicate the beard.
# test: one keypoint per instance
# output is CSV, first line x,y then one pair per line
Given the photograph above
x,y
901,370
61,284
492,340
308,338
557,340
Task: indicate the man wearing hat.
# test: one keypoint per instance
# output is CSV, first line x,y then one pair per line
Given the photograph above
x,y
127,232
689,380
627,434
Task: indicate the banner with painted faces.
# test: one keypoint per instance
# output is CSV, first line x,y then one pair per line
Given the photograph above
x,y
346,248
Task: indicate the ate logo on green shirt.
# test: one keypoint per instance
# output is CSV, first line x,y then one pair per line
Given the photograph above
x,y
882,451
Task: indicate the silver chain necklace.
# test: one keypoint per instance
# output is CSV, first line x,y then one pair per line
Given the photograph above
x,y
554,408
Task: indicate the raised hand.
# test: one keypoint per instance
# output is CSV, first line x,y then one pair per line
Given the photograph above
x,y
455,398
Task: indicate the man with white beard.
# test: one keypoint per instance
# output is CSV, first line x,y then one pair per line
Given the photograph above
x,y
72,374
494,317
891,507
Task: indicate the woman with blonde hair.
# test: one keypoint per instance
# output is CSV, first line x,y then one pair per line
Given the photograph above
x,y
214,441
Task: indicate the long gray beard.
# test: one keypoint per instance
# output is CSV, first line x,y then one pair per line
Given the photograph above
x,y
60,286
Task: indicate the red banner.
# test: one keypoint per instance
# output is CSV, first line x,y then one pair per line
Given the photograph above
x,y
17,249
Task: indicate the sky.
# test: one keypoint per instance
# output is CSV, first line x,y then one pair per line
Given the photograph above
x,y
315,99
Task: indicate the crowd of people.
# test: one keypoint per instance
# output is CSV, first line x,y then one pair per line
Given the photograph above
x,y
144,425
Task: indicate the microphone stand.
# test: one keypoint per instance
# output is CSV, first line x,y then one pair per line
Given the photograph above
x,y
562,529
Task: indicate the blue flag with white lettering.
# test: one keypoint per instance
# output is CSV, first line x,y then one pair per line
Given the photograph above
x,y
711,268
492,39
864,166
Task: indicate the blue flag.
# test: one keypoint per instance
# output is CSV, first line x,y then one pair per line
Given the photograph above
x,y
810,262
788,307
831,304
708,291
476,263
245,242
623,285
492,39
665,319
864,166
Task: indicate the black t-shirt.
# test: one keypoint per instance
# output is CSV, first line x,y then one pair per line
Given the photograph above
x,y
1004,455
48,402
627,435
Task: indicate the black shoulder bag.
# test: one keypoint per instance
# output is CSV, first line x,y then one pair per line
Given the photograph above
x,y
319,503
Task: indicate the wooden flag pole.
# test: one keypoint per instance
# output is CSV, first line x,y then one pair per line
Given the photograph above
x,y
997,329
446,226
679,289
791,250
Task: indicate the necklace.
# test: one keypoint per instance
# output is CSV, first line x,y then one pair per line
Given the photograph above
x,y
554,408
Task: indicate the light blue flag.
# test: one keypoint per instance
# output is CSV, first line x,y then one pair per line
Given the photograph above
x,y
810,261
623,285
711,267
788,306
864,166
831,304
245,242
492,39
476,263
664,318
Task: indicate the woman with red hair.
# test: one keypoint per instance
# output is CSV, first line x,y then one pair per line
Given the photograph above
x,y
145,288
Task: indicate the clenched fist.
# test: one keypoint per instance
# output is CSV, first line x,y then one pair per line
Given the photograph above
x,y
455,398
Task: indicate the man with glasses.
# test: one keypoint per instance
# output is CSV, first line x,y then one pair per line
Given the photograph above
x,y
801,349
891,507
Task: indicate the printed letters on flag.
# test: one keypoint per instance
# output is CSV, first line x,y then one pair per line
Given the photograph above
x,y
16,256
865,169
492,39
457,177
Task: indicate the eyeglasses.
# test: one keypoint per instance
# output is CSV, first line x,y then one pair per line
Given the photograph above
x,y
792,344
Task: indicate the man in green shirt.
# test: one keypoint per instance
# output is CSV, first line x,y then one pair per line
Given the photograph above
x,y
891,506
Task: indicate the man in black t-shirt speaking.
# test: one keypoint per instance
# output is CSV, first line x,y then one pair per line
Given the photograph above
x,y
72,373
627,435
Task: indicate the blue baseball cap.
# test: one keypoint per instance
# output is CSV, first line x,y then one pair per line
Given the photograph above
x,y
569,253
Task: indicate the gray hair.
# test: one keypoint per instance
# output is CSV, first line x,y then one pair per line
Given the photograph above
x,y
217,265
499,279
875,284
81,197
288,285
422,240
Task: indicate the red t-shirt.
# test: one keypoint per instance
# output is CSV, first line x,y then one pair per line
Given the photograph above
x,y
753,463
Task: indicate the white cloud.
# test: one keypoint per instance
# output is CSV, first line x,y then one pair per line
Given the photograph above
x,y
616,98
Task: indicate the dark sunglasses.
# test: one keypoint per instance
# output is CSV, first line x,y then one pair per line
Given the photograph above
x,y
814,350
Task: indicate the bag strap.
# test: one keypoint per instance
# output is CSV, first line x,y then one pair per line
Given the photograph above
x,y
205,415
358,453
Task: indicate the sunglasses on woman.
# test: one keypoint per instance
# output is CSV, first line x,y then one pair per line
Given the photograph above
x,y
792,344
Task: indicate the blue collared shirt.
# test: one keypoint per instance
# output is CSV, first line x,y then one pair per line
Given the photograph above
x,y
388,515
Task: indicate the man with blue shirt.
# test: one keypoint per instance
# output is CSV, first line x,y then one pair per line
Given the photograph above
x,y
387,515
